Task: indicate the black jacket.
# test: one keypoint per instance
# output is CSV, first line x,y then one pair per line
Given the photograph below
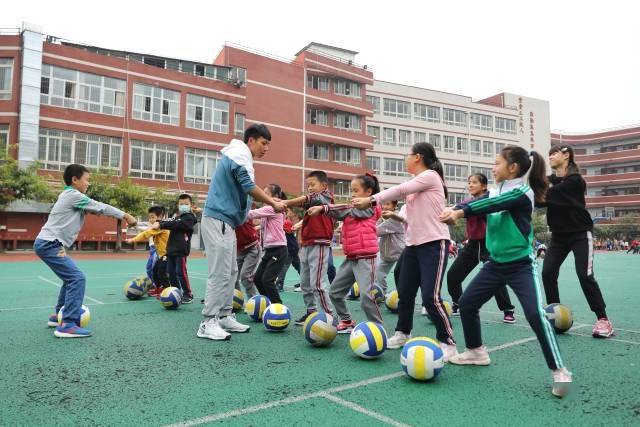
x,y
566,207
181,228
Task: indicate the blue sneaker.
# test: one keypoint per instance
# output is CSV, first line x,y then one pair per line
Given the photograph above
x,y
71,330
53,321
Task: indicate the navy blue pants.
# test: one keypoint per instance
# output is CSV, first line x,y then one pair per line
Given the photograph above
x,y
178,277
522,277
331,268
423,267
153,256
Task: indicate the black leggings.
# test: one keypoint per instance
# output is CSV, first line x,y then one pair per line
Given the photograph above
x,y
268,270
473,253
581,244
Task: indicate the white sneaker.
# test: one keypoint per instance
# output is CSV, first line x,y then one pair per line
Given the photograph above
x,y
398,340
211,330
562,379
449,351
472,356
423,312
230,324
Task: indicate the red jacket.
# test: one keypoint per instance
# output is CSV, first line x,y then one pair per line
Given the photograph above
x,y
359,230
317,230
246,236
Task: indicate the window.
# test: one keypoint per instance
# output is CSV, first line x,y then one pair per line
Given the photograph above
x,y
4,139
488,172
487,148
504,125
63,87
420,137
375,101
342,189
318,152
395,108
428,113
454,117
317,117
238,75
455,198
347,155
461,145
58,148
434,139
499,147
374,131
317,82
475,146
456,172
347,88
373,164
206,113
449,144
404,138
153,160
6,77
481,121
389,136
156,104
395,167
239,124
347,121
199,165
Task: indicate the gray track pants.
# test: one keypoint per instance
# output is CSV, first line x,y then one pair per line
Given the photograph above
x,y
382,271
247,263
220,246
363,272
313,277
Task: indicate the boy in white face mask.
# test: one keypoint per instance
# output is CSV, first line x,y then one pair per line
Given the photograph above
x,y
179,246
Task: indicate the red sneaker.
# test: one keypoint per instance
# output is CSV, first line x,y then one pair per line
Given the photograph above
x,y
155,292
346,326
603,328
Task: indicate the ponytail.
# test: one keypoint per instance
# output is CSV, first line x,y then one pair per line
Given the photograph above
x,y
531,162
572,167
369,182
276,191
430,160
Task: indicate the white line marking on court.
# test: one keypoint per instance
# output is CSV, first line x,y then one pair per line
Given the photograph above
x,y
90,305
322,393
89,277
358,408
57,285
604,339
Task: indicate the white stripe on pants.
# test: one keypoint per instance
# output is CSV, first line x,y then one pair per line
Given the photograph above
x,y
220,246
314,260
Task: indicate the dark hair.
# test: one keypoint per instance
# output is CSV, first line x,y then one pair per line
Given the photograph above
x,y
482,178
73,170
319,175
185,196
430,160
276,191
572,168
369,181
256,131
159,211
525,160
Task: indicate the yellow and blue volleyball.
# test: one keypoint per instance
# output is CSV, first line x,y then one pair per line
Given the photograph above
x,y
85,316
134,289
448,308
320,329
146,282
559,316
391,301
276,317
354,292
171,298
238,300
377,294
422,358
256,306
368,340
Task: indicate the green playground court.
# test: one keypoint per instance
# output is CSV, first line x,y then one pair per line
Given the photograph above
x,y
145,366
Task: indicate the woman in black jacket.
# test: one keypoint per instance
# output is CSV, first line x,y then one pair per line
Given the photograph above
x,y
571,231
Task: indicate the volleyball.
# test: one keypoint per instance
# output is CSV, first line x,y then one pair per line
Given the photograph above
x,y
448,308
354,292
85,316
238,300
134,289
559,316
256,306
392,301
368,340
422,358
377,294
171,298
276,317
146,282
320,329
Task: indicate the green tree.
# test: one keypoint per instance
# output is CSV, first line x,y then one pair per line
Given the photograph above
x,y
458,230
540,227
160,197
17,183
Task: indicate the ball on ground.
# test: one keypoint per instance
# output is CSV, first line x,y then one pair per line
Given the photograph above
x,y
146,282
238,300
368,340
559,316
422,358
354,292
391,301
276,317
448,308
134,289
256,306
171,298
85,316
320,329
377,293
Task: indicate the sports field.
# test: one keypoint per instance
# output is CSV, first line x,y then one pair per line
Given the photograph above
x,y
145,366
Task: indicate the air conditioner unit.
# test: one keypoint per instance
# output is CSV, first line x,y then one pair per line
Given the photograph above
x,y
238,83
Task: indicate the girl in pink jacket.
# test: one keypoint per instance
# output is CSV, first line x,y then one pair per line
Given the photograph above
x,y
360,246
425,258
274,245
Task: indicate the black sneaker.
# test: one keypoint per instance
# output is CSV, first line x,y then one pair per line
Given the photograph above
x,y
187,298
303,319
297,288
455,310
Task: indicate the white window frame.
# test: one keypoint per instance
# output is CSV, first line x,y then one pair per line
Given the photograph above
x,y
239,123
481,121
389,136
475,146
214,113
454,117
318,82
395,167
434,139
347,121
404,138
499,146
449,143
374,131
319,152
4,138
373,164
197,158
342,189
157,151
419,137
427,113
348,88
397,108
505,125
462,145
6,64
375,102
454,198
488,172
347,155
318,117
157,96
487,149
59,148
453,172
